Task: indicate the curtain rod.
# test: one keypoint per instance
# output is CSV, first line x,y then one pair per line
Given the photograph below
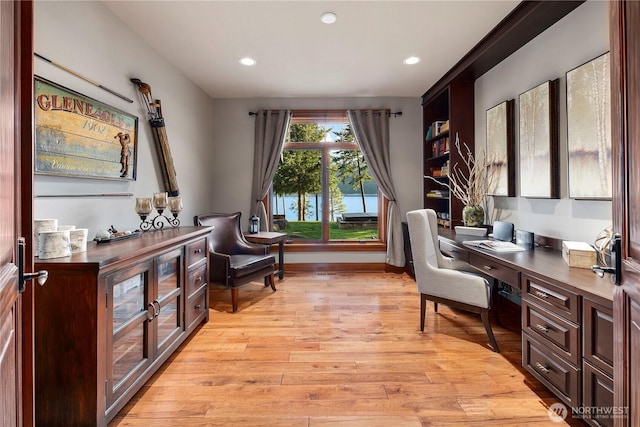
x,y
389,113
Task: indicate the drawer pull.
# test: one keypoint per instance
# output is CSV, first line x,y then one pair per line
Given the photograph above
x,y
542,328
542,368
198,279
488,267
541,294
197,251
197,307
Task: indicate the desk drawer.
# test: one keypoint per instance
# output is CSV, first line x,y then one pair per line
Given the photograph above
x,y
562,336
552,298
454,251
197,277
197,308
564,380
495,270
196,251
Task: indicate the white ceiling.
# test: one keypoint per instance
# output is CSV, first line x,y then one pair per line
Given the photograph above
x,y
298,56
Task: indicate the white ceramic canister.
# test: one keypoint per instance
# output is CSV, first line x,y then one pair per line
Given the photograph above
x,y
40,225
54,244
78,238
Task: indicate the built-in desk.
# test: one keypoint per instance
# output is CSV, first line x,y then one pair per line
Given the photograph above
x,y
567,319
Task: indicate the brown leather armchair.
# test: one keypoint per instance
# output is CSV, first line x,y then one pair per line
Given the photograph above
x,y
233,261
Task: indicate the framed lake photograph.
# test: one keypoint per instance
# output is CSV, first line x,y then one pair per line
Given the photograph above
x,y
539,118
501,149
78,136
589,130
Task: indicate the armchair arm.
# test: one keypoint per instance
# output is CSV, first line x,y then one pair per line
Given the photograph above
x,y
245,247
219,265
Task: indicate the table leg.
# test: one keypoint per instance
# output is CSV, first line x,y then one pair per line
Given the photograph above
x,y
281,259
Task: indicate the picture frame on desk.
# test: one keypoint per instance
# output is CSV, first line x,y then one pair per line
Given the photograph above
x,y
589,130
501,148
539,153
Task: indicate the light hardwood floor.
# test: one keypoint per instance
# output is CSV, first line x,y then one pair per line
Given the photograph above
x,y
342,349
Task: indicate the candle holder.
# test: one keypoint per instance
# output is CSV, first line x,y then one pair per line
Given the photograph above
x,y
160,202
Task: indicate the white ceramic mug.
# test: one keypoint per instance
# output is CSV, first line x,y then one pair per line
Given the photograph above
x,y
40,225
54,244
78,239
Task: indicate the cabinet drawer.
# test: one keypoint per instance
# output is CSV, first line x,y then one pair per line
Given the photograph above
x,y
551,370
196,251
597,392
495,270
454,251
598,335
552,298
197,308
554,331
197,278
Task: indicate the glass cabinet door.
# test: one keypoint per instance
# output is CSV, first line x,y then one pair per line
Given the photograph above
x,y
169,323
128,315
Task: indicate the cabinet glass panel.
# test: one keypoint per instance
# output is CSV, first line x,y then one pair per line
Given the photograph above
x,y
167,321
128,299
128,353
168,277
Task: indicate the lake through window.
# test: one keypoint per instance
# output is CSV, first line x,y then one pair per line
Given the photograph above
x,y
323,190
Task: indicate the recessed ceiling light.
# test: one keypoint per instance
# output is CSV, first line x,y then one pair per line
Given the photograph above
x,y
411,60
328,17
248,61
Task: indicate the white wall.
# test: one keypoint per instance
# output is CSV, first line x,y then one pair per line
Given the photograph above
x,y
576,39
232,156
87,38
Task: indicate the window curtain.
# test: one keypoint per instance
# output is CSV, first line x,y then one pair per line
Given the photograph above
x,y
271,131
371,129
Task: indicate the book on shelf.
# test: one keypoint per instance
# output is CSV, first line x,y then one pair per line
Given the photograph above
x,y
438,193
436,128
444,127
494,245
429,133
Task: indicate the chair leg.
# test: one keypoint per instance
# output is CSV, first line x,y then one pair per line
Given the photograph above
x,y
423,308
272,282
487,327
234,299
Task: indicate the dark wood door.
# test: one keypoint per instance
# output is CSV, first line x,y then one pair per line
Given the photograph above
x,y
16,80
625,110
10,314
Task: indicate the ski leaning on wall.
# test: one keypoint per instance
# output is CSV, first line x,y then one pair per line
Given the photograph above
x,y
158,129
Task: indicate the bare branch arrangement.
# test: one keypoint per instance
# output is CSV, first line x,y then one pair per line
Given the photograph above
x,y
471,190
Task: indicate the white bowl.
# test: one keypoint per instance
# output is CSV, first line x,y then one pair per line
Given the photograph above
x,y
471,231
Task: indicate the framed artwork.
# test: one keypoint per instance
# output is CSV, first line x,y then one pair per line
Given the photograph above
x,y
589,130
81,137
539,176
501,150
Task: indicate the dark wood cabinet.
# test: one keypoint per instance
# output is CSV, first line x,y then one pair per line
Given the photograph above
x,y
551,337
597,387
109,317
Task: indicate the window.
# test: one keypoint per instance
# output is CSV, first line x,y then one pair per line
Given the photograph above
x,y
323,191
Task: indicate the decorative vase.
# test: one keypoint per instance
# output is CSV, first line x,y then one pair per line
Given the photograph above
x,y
473,216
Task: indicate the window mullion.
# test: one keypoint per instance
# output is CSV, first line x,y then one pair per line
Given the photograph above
x,y
325,194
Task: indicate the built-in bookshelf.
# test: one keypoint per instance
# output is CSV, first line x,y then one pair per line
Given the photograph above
x,y
445,115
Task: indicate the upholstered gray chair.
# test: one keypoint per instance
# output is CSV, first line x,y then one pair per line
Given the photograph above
x,y
234,261
442,279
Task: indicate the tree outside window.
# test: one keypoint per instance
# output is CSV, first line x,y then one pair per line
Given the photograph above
x,y
322,189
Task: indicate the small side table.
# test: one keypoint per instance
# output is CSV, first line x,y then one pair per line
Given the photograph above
x,y
271,238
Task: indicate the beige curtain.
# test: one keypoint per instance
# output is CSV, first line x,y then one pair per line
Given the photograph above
x,y
271,131
371,129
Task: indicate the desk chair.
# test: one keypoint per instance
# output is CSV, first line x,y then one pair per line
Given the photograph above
x,y
442,279
234,261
